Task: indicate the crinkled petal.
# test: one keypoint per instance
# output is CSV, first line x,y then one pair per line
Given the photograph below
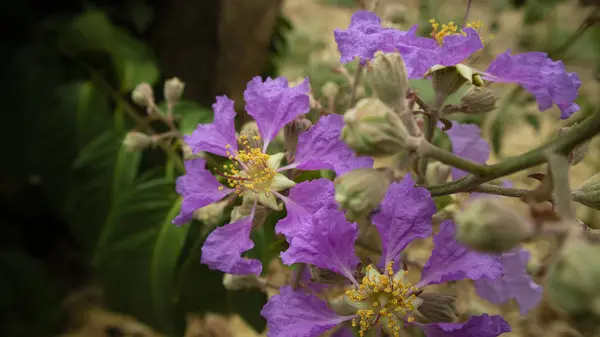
x,y
477,326
326,242
544,78
303,201
198,187
417,52
298,314
467,143
450,261
515,284
215,136
224,246
273,104
321,148
363,38
405,214
458,47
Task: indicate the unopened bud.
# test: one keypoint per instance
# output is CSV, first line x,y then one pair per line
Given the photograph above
x,y
437,173
579,152
360,191
479,100
589,192
143,95
291,131
447,80
490,225
438,307
239,282
572,282
173,89
250,136
212,214
330,89
371,128
322,275
395,13
389,79
136,141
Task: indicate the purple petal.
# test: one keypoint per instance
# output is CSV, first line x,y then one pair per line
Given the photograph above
x,y
516,283
418,52
467,143
198,187
449,261
547,80
321,148
405,215
458,47
363,38
298,314
477,326
224,246
273,104
326,242
215,136
303,201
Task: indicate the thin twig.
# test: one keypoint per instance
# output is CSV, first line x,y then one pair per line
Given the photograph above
x,y
355,83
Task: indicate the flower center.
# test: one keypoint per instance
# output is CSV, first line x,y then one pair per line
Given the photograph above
x,y
249,169
383,297
452,29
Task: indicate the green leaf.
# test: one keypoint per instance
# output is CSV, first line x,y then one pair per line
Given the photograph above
x,y
93,31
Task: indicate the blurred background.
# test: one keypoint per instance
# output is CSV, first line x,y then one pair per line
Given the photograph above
x,y
87,247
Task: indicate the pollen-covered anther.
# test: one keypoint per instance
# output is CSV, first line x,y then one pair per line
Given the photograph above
x,y
248,169
383,297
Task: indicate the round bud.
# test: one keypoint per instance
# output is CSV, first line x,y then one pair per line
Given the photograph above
x,y
360,191
572,282
136,141
291,131
330,89
173,89
490,225
143,95
589,192
437,173
479,100
211,214
371,128
389,79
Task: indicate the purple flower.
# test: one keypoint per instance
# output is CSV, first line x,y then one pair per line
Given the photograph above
x,y
328,242
546,79
256,175
467,143
515,284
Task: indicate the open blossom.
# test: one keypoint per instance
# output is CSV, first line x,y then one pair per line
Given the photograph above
x,y
380,297
468,144
254,174
546,79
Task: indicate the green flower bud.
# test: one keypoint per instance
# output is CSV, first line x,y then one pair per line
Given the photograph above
x,y
447,80
250,136
388,77
490,225
395,13
373,129
291,131
360,191
136,141
143,95
438,308
330,89
572,281
212,214
173,89
239,282
437,173
479,100
589,192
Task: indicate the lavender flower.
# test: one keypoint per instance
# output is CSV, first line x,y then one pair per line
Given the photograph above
x,y
467,143
254,174
380,297
546,79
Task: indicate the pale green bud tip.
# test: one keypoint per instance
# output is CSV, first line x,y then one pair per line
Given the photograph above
x,y
211,214
173,89
330,89
572,282
360,191
143,95
490,225
437,173
135,141
447,80
371,128
239,282
589,192
389,79
479,100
